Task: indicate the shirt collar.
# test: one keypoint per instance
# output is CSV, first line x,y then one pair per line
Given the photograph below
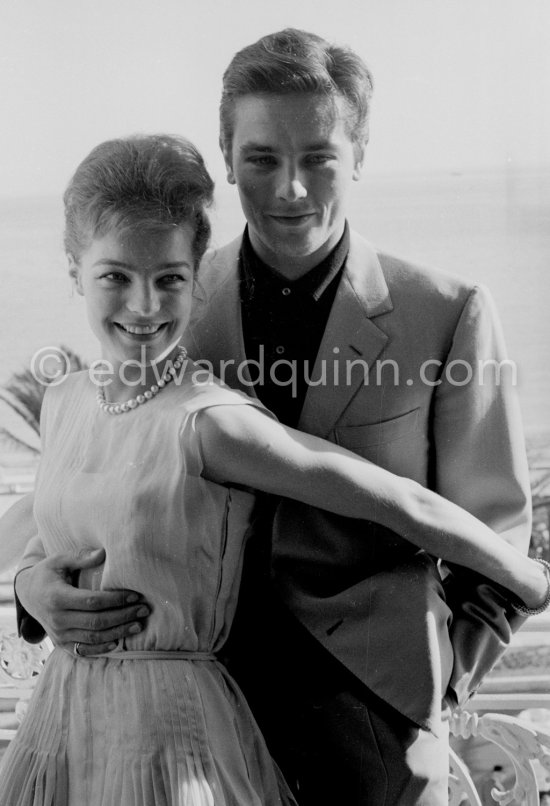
x,y
258,277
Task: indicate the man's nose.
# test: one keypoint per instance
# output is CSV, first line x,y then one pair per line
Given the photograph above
x,y
144,299
291,185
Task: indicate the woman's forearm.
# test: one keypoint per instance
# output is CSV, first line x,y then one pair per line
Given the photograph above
x,y
432,523
449,532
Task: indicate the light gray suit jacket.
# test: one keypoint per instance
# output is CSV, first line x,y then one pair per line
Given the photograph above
x,y
397,352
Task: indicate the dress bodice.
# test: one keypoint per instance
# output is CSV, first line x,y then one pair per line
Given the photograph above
x,y
132,484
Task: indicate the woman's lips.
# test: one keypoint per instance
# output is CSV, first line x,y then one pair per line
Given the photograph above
x,y
140,331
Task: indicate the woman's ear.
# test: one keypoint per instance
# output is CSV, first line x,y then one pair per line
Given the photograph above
x,y
74,273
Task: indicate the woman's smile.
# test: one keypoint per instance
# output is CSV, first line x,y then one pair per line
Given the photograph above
x,y
145,332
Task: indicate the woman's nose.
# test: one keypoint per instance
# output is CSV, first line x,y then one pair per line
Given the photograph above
x,y
144,300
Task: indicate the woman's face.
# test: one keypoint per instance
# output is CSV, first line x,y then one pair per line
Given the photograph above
x,y
138,289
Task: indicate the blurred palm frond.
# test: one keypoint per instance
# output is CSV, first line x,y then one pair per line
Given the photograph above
x,y
24,391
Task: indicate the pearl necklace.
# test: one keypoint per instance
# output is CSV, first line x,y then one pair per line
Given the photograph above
x,y
134,402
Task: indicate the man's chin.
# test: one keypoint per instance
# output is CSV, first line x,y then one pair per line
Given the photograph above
x,y
296,244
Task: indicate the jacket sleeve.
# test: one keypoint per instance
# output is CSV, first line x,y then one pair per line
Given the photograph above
x,y
27,626
480,464
20,521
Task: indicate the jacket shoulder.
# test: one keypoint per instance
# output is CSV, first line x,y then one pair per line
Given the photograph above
x,y
415,281
412,291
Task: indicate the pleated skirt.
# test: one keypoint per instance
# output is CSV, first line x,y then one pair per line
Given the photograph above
x,y
120,732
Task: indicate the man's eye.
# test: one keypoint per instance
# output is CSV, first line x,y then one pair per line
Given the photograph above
x,y
262,161
319,159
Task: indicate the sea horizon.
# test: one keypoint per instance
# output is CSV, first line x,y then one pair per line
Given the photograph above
x,y
487,226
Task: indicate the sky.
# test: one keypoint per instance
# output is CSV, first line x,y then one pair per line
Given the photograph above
x,y
460,84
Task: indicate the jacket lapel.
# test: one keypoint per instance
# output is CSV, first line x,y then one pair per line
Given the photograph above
x,y
215,333
350,336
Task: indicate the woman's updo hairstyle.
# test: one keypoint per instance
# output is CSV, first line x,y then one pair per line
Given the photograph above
x,y
151,181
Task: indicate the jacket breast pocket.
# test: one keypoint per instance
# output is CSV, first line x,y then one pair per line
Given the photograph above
x,y
397,444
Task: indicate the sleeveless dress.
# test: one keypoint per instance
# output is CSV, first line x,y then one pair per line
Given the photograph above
x,y
159,721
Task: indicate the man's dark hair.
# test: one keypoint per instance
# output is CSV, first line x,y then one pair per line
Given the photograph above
x,y
294,61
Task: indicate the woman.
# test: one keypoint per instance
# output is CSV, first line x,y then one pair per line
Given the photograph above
x,y
151,460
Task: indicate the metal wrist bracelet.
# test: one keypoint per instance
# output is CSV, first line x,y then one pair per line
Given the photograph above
x,y
532,611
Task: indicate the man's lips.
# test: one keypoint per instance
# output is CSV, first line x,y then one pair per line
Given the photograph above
x,y
291,219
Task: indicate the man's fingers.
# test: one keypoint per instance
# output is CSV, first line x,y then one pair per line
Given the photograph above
x,y
96,627
94,639
70,598
85,558
85,650
102,620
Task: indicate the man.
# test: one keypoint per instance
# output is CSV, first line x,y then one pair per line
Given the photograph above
x,y
351,662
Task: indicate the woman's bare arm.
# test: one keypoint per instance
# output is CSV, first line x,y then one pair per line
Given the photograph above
x,y
241,445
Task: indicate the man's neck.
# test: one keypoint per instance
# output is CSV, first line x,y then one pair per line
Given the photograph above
x,y
292,267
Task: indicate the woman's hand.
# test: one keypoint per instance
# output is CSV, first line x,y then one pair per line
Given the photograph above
x,y
95,619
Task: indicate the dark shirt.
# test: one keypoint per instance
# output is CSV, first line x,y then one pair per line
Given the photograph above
x,y
266,641
283,324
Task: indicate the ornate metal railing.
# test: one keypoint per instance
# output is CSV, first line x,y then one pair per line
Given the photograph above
x,y
523,745
20,665
540,535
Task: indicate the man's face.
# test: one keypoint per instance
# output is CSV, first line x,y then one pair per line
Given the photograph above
x,y
293,164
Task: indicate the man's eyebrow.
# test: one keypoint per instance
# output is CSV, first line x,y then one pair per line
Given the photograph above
x,y
251,146
319,145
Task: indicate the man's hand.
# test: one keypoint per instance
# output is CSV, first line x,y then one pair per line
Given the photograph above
x,y
96,619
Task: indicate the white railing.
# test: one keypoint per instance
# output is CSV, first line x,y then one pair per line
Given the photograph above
x,y
523,744
20,665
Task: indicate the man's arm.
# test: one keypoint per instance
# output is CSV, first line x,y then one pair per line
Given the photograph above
x,y
481,465
47,601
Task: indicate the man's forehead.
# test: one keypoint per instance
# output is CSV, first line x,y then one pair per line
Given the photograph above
x,y
261,117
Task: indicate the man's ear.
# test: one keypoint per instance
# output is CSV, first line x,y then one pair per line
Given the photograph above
x,y
228,163
359,156
74,273
229,168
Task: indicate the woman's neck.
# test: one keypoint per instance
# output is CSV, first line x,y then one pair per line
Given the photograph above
x,y
126,380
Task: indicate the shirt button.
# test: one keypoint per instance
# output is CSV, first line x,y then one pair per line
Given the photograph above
x,y
279,350
285,292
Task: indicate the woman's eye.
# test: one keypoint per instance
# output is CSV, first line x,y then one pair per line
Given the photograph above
x,y
115,277
173,279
